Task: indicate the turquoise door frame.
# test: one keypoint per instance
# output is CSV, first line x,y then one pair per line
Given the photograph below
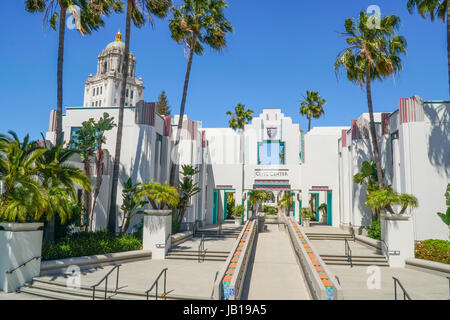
x,y
215,206
329,207
299,212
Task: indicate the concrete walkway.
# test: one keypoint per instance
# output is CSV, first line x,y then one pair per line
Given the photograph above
x,y
274,273
354,281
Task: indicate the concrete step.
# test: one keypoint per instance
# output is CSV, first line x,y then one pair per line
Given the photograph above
x,y
216,236
195,251
59,291
332,256
192,254
356,263
195,258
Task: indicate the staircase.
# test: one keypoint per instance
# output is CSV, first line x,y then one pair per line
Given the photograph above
x,y
193,255
56,290
329,236
360,260
225,233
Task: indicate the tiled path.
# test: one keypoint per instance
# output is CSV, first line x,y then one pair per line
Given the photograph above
x,y
274,273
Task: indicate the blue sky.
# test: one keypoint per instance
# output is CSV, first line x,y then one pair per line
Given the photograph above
x,y
279,50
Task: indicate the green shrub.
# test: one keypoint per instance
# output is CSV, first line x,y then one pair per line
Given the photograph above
x,y
434,250
88,244
270,211
175,227
374,231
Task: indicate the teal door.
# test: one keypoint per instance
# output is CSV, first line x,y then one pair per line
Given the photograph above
x,y
215,206
225,205
329,208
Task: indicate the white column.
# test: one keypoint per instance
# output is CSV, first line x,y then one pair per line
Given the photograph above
x,y
157,232
398,234
20,254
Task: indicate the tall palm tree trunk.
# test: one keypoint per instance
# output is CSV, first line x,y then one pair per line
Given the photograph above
x,y
448,41
98,183
115,177
373,131
59,99
182,107
309,123
85,195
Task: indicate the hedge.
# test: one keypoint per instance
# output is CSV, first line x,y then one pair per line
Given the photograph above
x,y
434,250
88,244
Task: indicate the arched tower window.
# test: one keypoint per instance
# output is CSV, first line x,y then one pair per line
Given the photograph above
x,y
105,67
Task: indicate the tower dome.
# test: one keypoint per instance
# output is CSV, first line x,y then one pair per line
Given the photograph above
x,y
117,43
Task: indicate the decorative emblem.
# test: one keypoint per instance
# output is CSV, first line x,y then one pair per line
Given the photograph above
x,y
272,132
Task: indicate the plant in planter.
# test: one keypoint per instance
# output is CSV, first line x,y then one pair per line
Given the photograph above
x,y
306,214
38,183
238,211
160,196
385,198
131,204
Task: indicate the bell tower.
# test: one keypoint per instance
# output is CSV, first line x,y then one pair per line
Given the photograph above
x,y
103,89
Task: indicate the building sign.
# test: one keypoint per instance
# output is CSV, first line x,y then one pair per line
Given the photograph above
x,y
272,133
271,174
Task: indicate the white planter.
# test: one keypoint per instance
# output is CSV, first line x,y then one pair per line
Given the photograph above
x,y
157,232
238,221
398,233
20,254
306,222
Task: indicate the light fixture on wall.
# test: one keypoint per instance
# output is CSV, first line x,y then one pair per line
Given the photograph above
x,y
298,196
244,196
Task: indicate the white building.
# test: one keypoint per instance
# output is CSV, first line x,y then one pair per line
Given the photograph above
x,y
273,154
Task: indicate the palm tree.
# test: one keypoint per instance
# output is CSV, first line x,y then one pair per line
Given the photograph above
x,y
59,179
89,14
85,145
38,182
195,24
187,188
312,106
373,53
239,119
286,202
135,12
256,198
105,123
433,8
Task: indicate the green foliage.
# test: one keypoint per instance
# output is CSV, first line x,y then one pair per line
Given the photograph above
x,y
38,181
160,196
374,231
286,201
312,106
240,117
270,211
306,213
131,204
446,217
367,175
89,243
430,8
434,250
323,208
373,53
162,106
385,198
200,22
238,211
175,227
187,189
91,12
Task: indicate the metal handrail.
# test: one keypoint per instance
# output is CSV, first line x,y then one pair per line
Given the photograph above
x,y
348,253
383,243
405,294
106,283
201,250
22,265
155,283
215,279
